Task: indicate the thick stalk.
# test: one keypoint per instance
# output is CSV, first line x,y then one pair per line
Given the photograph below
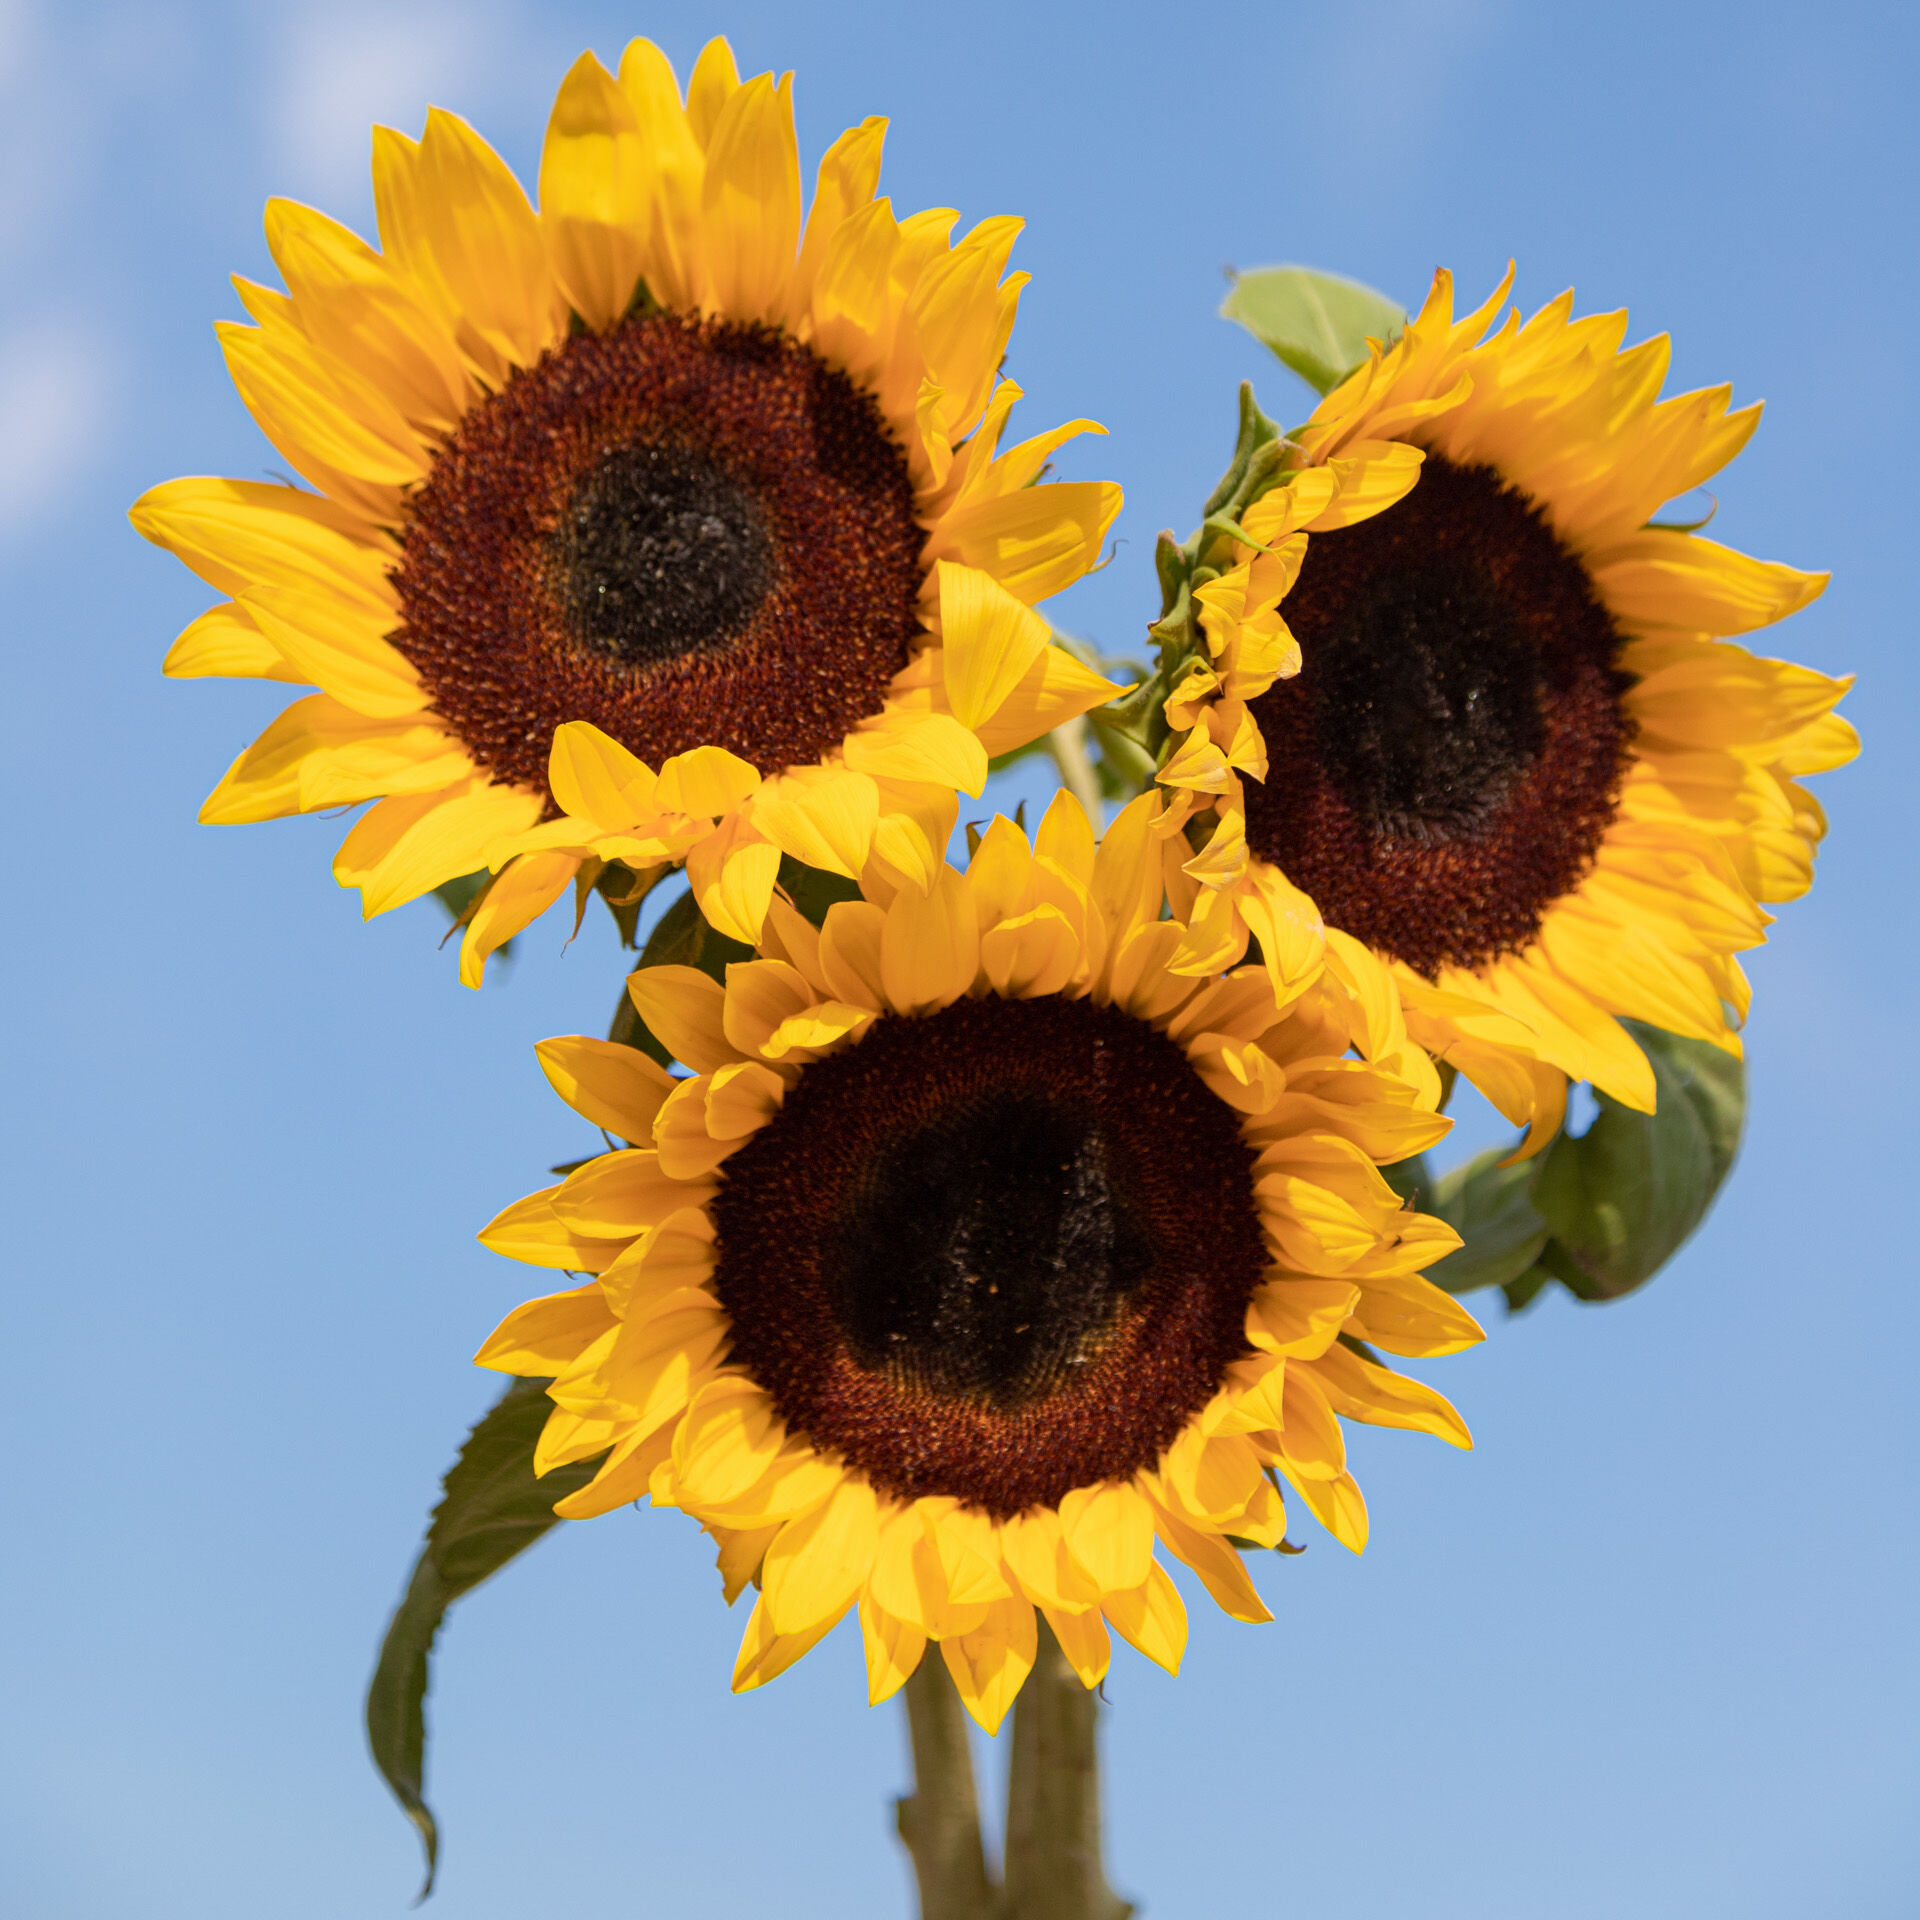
x,y
939,1821
1068,746
1053,1865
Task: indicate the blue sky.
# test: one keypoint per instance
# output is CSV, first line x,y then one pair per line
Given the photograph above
x,y
1649,1650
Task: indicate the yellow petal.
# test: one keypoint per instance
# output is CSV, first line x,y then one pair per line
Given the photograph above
x,y
1337,1504
850,946
528,1230
1358,1390
988,642
1218,1563
894,1649
482,242
727,1439
677,165
1083,1639
819,1029
1109,1531
518,896
339,645
1033,542
238,534
732,872
361,314
593,193
822,816
1030,955
401,849
225,643
708,781
686,1009
1300,1317
714,82
1152,1618
990,1664
614,1086
545,1336
1054,690
318,753
766,1655
929,947
849,173
1406,1314
931,747
1670,579
594,778
750,201
820,1561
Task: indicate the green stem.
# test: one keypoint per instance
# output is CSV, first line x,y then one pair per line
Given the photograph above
x,y
939,1822
1068,746
1053,1865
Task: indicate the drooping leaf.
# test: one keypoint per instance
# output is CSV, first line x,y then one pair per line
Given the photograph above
x,y
491,1509
1622,1199
1318,323
1491,1208
1604,1212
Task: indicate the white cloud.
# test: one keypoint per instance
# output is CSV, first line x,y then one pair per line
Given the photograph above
x,y
55,388
16,35
342,68
1393,71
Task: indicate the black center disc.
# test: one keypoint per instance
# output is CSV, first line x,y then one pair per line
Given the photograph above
x,y
997,1253
1448,759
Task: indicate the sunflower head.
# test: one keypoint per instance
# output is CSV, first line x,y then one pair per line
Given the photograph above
x,y
665,524
979,1253
1483,716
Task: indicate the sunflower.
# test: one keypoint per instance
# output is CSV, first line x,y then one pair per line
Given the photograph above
x,y
980,1253
655,527
1497,737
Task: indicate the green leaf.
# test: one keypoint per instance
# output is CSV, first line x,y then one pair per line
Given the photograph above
x,y
1622,1199
491,1509
461,896
1318,323
1602,1214
1490,1207
812,891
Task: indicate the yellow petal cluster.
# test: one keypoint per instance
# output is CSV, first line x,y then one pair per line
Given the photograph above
x,y
638,1356
371,358
1712,820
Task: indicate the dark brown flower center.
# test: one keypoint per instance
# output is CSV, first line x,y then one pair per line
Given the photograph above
x,y
1447,760
687,532
997,1253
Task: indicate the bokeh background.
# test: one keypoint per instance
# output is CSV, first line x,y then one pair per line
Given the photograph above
x,y
1649,1650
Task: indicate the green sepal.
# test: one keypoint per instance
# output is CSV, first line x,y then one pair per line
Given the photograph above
x,y
1317,323
491,1510
1603,1213
1256,431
